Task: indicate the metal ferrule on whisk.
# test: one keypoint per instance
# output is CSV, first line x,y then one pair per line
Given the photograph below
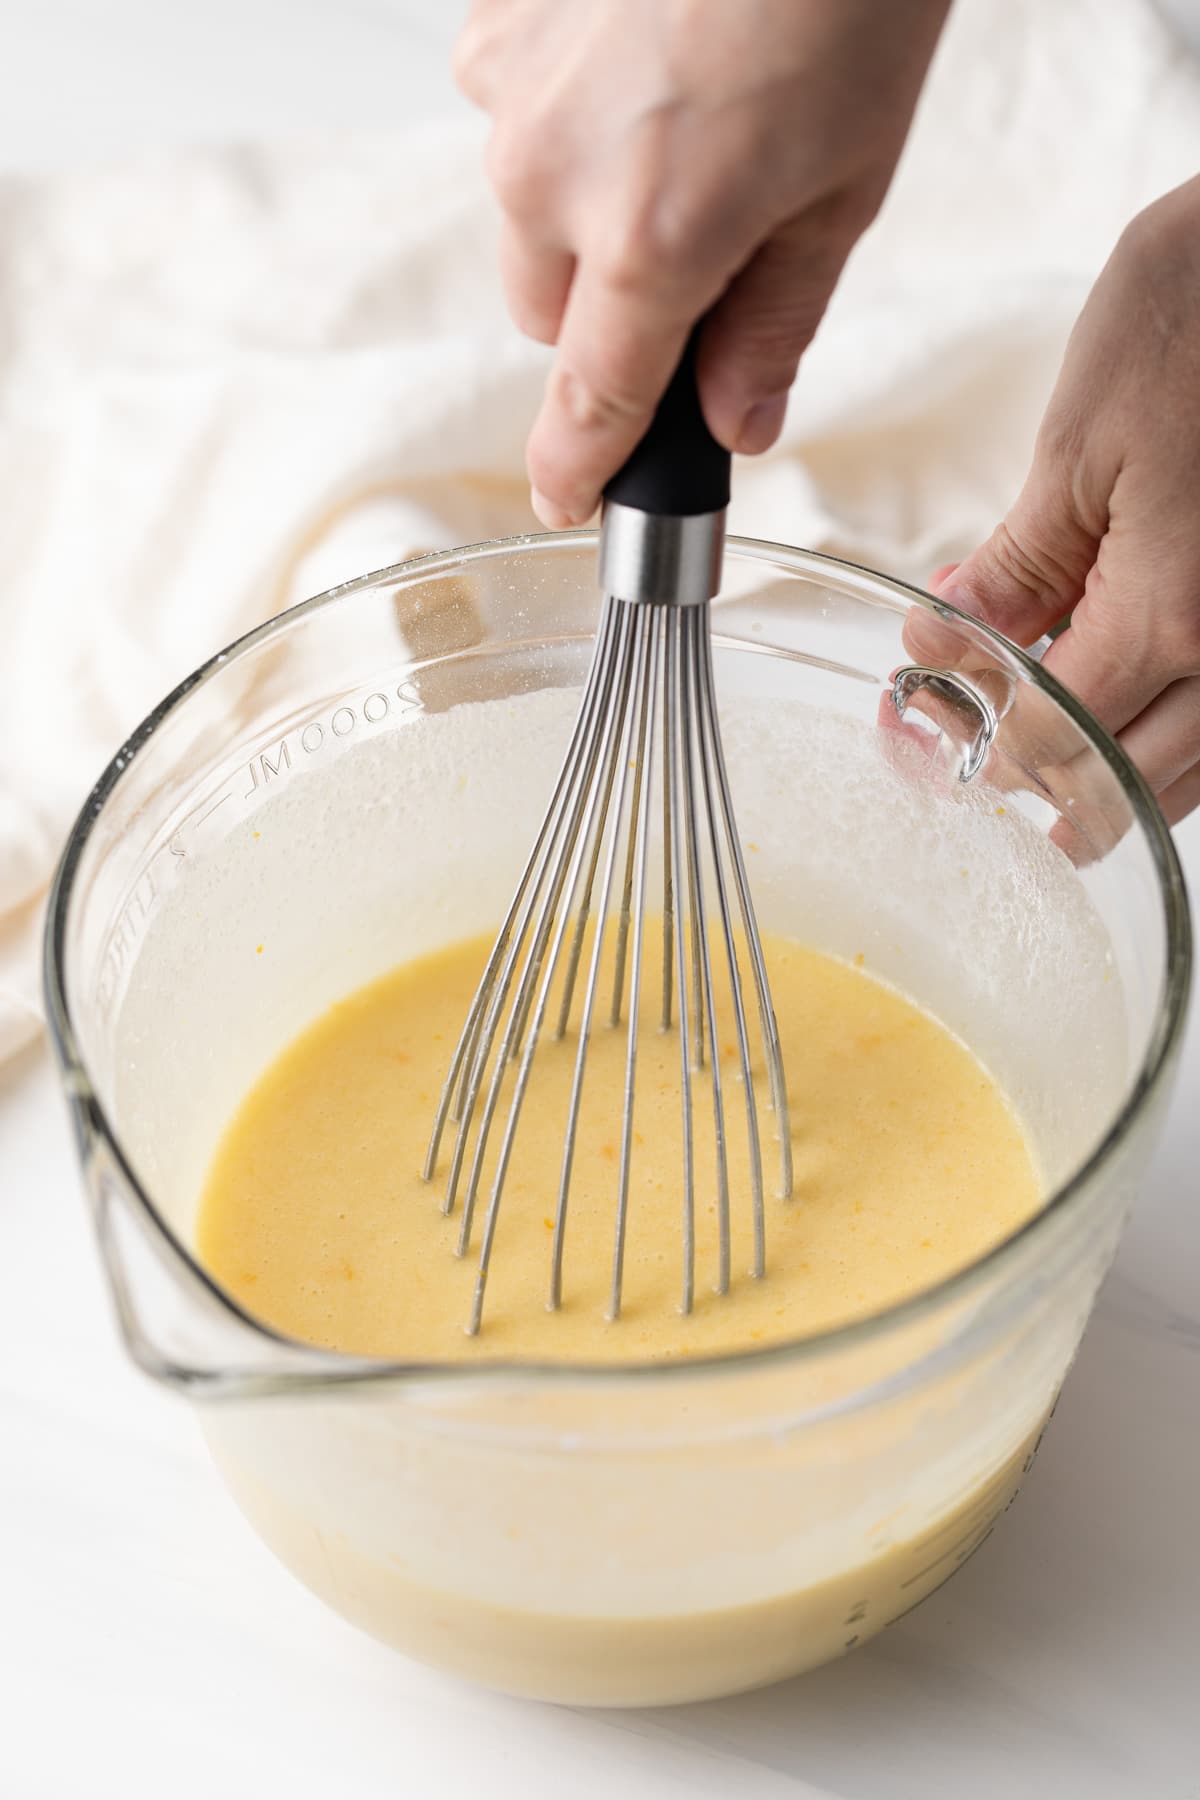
x,y
669,561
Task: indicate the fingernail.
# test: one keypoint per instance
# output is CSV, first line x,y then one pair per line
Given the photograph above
x,y
577,399
762,425
958,597
940,577
550,513
935,640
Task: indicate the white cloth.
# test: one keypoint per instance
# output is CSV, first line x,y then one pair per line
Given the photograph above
x,y
230,379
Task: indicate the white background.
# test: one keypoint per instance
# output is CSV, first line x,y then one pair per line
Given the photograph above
x,y
148,1646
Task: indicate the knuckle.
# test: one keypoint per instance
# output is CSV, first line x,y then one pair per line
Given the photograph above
x,y
516,169
597,402
654,244
1128,644
1100,633
1158,259
666,230
1023,563
765,350
1062,437
1181,638
668,225
626,259
462,58
833,225
1144,238
469,60
1145,613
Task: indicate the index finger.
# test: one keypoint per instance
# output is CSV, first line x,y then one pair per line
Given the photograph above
x,y
617,350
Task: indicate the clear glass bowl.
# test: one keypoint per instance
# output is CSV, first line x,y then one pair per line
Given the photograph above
x,y
358,781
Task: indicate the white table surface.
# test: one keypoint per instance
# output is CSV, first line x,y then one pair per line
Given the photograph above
x,y
150,1646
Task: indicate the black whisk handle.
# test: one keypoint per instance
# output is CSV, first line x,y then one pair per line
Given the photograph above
x,y
679,469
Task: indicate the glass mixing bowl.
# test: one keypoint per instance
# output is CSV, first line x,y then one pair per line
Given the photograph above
x,y
357,782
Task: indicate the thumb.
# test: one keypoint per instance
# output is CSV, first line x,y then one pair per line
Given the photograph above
x,y
1031,572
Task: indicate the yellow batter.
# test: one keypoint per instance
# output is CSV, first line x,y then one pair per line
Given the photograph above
x,y
626,1653
908,1164
596,1574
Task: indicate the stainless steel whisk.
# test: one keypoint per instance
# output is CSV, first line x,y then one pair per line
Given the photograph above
x,y
648,709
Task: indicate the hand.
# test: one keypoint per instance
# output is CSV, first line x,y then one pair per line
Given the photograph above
x,y
658,159
1106,531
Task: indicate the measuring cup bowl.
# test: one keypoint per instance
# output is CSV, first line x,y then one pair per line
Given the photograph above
x,y
356,783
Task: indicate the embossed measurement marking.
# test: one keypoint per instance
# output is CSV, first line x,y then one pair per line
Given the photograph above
x,y
306,740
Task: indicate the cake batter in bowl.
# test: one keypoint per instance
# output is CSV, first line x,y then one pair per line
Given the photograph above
x,y
352,788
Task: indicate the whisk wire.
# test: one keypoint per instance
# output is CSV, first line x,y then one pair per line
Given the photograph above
x,y
452,1099
668,917
589,1003
639,832
695,619
691,844
584,797
750,931
673,853
639,765
709,760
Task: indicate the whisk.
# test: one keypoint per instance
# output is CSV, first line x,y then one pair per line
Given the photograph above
x,y
647,722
